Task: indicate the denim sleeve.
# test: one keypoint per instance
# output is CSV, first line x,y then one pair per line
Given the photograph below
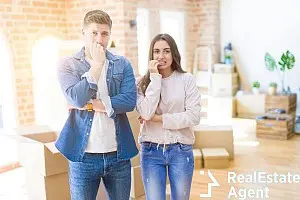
x,y
125,101
77,91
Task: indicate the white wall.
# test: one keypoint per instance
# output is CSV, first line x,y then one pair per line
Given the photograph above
x,y
258,26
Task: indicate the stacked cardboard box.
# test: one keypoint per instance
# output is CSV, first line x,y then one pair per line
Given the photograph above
x,y
137,186
224,80
211,158
249,105
214,137
221,110
221,104
197,158
215,158
46,169
134,124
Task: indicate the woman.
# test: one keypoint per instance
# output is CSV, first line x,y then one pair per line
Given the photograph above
x,y
169,105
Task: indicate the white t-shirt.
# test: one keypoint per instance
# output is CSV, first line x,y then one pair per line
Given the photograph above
x,y
102,138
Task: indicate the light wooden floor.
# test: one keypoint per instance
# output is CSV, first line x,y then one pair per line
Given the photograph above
x,y
250,155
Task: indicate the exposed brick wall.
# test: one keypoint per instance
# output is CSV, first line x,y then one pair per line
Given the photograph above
x,y
209,29
201,23
192,30
24,21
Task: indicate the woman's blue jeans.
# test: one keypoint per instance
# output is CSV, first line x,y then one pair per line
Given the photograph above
x,y
175,159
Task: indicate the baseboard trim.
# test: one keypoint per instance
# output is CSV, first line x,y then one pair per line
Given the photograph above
x,y
9,167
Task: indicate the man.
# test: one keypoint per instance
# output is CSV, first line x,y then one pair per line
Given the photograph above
x,y
97,138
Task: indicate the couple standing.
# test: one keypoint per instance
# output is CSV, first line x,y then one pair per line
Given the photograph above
x,y
97,139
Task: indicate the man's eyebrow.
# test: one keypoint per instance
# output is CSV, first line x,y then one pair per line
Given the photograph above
x,y
100,31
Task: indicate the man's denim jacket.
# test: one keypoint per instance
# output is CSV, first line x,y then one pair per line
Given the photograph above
x,y
121,86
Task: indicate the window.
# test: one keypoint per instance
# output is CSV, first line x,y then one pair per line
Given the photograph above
x,y
143,39
49,102
7,87
173,24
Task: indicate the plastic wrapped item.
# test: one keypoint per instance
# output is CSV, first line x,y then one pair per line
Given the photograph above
x,y
228,54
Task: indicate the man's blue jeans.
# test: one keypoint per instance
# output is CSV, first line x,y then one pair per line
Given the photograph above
x,y
156,161
85,177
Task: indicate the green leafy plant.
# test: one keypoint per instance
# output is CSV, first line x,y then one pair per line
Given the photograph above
x,y
228,56
256,84
272,84
287,62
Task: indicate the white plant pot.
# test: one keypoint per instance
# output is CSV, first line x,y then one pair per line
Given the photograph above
x,y
255,90
272,90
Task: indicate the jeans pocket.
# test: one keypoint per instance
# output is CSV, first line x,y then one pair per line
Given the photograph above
x,y
186,147
146,148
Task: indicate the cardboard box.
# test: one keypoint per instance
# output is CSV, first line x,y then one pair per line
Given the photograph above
x,y
38,151
197,159
224,84
215,158
221,110
214,137
203,78
224,68
54,187
46,169
135,125
135,161
250,105
137,186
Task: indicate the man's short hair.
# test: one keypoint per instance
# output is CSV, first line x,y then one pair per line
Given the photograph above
x,y
98,17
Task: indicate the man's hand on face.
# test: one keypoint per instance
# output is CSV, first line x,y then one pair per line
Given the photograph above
x,y
97,53
98,58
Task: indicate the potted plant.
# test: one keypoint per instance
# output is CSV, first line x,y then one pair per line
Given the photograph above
x,y
255,87
287,62
272,88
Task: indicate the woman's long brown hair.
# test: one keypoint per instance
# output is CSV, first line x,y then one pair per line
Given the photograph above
x,y
145,81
